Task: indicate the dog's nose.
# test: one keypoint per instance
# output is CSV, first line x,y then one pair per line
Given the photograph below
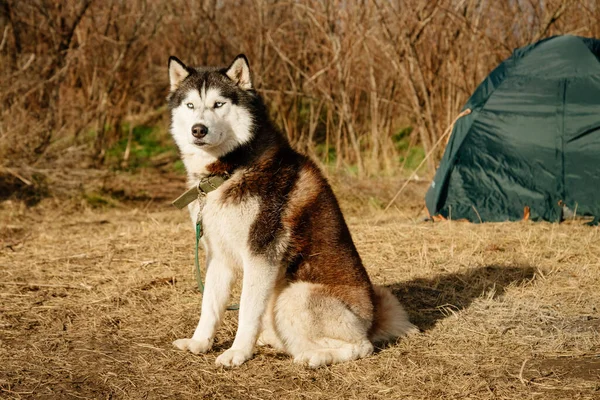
x,y
199,131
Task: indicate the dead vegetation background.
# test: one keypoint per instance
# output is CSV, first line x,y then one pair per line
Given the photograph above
x,y
346,80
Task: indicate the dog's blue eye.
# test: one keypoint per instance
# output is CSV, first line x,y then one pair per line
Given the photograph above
x,y
190,106
219,104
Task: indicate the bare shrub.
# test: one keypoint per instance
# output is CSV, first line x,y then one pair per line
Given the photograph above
x,y
341,77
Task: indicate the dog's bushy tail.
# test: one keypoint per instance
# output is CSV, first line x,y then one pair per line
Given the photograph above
x,y
391,321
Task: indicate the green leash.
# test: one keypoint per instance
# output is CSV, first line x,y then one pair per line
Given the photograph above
x,y
198,272
205,185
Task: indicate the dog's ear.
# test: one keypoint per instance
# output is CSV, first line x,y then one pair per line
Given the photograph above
x,y
177,72
239,72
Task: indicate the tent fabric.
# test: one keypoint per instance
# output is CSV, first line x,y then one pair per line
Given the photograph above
x,y
532,139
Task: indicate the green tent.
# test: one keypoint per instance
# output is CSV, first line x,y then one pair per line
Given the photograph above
x,y
531,145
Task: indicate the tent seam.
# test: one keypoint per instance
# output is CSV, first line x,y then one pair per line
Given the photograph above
x,y
453,161
562,138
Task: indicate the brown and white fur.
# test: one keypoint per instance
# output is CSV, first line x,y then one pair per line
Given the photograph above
x,y
304,288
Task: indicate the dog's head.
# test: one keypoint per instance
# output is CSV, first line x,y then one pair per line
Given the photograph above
x,y
210,107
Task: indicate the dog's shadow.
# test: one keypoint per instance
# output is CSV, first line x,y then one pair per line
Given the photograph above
x,y
427,300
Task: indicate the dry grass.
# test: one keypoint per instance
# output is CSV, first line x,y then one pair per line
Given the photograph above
x,y
91,300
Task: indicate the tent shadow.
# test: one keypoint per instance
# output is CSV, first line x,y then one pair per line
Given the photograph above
x,y
428,300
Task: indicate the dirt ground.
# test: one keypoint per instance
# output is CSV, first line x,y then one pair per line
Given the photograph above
x,y
91,299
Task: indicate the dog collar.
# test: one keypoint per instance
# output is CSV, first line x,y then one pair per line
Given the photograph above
x,y
205,186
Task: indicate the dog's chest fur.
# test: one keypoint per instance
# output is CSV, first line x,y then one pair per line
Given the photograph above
x,y
226,225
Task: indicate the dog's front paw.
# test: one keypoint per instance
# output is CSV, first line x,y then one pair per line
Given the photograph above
x,y
233,358
194,346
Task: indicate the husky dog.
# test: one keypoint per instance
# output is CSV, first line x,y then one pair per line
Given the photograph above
x,y
275,219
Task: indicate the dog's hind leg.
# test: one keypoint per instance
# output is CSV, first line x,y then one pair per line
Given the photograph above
x,y
318,329
268,335
219,277
328,352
